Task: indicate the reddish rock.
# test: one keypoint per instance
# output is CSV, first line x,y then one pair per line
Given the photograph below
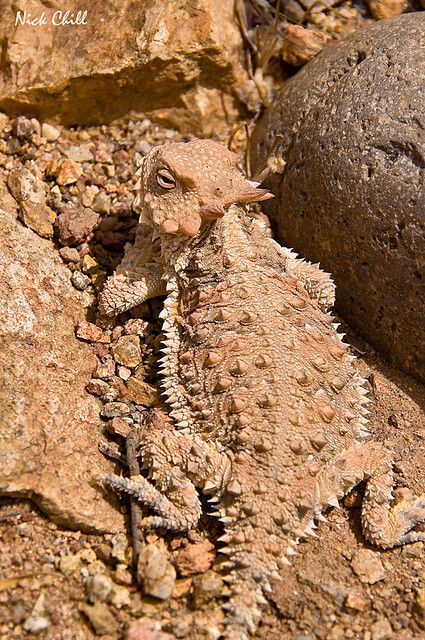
x,y
301,44
146,629
49,450
74,224
195,558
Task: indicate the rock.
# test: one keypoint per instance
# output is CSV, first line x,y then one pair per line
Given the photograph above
x,y
419,607
191,77
69,254
194,558
49,132
102,203
206,587
122,575
155,571
69,564
49,446
120,549
351,194
91,332
35,624
38,217
24,185
381,9
356,601
368,566
97,387
118,427
24,127
105,370
75,224
101,618
79,153
30,192
114,409
146,629
301,44
89,264
68,172
80,280
381,630
142,392
37,621
99,588
136,326
127,351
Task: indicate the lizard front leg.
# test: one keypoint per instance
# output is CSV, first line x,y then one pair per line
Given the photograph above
x,y
177,464
127,290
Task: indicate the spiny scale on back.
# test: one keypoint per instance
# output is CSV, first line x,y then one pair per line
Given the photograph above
x,y
268,412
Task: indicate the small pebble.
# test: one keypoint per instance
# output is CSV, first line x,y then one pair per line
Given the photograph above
x,y
35,624
37,621
143,147
38,217
300,45
194,558
89,331
102,203
206,587
155,572
68,172
105,370
356,601
24,128
75,224
98,588
122,575
118,427
142,392
79,153
124,373
101,618
127,351
69,254
80,280
136,326
69,564
382,630
49,132
146,629
97,387
120,550
114,409
367,565
381,9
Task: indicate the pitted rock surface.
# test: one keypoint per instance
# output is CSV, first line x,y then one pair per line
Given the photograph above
x,y
265,411
351,192
49,436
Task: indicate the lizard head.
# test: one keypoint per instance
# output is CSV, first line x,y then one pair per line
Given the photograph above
x,y
184,185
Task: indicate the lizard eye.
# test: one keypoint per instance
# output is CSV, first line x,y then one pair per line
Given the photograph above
x,y
165,179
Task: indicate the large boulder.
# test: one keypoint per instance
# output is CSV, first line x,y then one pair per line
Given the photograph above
x,y
349,179
49,435
179,62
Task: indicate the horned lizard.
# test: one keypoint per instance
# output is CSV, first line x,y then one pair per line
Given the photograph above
x,y
266,412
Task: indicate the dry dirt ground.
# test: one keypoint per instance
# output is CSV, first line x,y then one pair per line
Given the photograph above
x,y
65,585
